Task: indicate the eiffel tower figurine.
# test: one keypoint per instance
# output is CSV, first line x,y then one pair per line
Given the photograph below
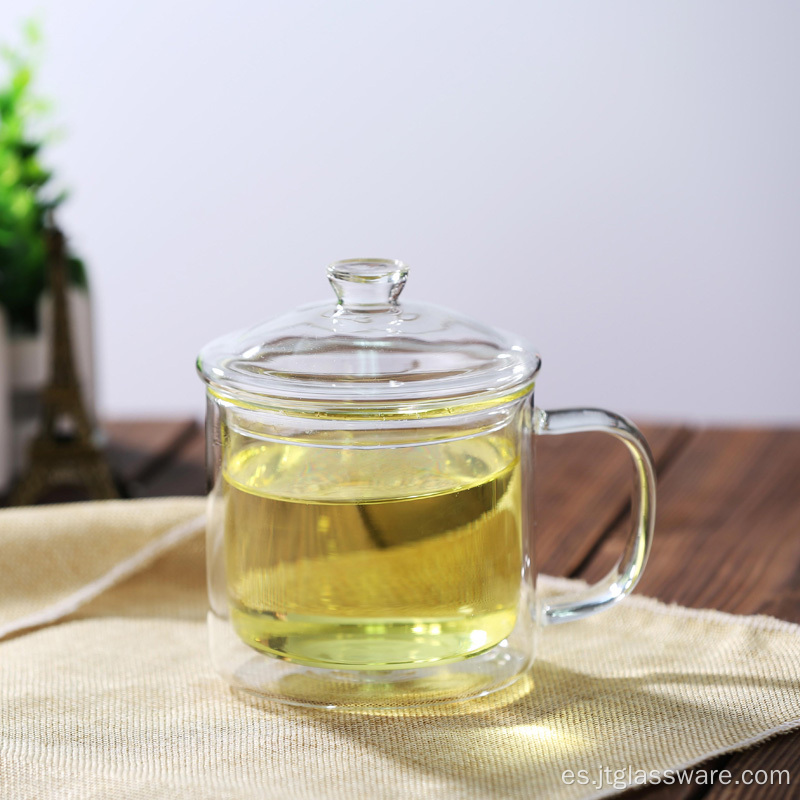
x,y
63,451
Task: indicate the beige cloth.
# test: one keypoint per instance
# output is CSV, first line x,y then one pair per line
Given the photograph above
x,y
118,700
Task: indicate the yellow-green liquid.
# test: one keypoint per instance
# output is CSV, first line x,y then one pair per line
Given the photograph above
x,y
373,558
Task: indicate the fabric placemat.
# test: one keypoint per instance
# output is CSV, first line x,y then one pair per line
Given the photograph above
x,y
113,695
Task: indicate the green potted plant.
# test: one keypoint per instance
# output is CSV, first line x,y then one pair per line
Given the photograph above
x,y
26,198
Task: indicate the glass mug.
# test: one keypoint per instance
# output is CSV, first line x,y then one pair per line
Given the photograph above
x,y
370,519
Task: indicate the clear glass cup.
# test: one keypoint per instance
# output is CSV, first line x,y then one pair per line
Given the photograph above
x,y
370,533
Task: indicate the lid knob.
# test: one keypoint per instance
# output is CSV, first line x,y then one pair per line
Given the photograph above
x,y
367,284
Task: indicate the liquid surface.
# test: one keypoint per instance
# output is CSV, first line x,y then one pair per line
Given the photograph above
x,y
373,558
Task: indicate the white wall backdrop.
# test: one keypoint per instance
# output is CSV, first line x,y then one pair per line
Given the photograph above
x,y
617,181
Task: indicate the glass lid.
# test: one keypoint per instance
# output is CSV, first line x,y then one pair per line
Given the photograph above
x,y
366,353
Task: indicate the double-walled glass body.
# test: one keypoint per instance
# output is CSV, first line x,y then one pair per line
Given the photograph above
x,y
366,562
370,518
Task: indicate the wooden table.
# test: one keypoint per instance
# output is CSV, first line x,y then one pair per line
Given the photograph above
x,y
727,531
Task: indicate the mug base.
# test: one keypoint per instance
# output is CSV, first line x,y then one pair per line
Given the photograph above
x,y
318,687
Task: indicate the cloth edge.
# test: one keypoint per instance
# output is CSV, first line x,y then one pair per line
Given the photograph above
x,y
142,558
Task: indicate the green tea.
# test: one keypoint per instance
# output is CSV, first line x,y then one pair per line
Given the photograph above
x,y
373,558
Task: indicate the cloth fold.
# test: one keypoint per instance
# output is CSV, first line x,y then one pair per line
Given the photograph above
x,y
113,696
56,559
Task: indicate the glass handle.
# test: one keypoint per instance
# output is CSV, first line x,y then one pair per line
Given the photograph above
x,y
626,573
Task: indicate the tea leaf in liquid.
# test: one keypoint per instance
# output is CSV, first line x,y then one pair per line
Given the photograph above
x,y
373,558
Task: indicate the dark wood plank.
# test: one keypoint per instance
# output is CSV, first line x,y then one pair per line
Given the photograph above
x,y
137,448
727,522
780,760
185,473
583,486
726,538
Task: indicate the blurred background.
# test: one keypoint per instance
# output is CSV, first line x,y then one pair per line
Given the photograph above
x,y
618,182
